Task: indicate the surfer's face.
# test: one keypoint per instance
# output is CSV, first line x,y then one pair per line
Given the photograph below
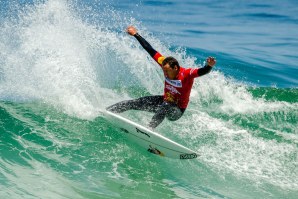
x,y
169,72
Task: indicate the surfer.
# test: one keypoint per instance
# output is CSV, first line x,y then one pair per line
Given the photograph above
x,y
178,84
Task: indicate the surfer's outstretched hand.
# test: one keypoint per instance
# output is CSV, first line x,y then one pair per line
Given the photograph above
x,y
131,30
211,61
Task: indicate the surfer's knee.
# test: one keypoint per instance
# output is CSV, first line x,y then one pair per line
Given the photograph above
x,y
118,107
174,113
114,108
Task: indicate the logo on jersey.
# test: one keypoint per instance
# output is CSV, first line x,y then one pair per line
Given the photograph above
x,y
160,59
176,83
172,89
170,98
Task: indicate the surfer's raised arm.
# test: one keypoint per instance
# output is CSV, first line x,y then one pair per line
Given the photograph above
x,y
210,62
152,52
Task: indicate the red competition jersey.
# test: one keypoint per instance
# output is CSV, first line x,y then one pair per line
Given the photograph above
x,y
178,90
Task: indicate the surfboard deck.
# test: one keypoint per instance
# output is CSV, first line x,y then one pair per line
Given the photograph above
x,y
151,141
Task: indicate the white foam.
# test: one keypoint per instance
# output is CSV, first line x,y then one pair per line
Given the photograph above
x,y
233,96
51,60
229,149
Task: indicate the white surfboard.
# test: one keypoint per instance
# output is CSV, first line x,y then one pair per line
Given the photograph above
x,y
150,140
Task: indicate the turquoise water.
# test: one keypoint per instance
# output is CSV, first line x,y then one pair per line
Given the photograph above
x,y
62,62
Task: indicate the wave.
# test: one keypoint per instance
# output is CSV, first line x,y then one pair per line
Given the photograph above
x,y
61,65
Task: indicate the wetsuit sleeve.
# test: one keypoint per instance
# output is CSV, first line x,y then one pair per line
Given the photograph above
x,y
145,45
152,52
205,70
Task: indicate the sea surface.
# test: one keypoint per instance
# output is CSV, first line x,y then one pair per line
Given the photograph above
x,y
62,62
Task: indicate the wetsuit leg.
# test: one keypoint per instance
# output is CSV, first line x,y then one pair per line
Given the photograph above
x,y
148,103
172,112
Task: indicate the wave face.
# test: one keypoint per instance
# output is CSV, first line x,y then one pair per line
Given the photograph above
x,y
63,62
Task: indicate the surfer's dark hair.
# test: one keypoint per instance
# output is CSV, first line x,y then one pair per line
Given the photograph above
x,y
171,61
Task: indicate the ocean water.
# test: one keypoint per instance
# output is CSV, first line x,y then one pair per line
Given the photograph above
x,y
62,62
